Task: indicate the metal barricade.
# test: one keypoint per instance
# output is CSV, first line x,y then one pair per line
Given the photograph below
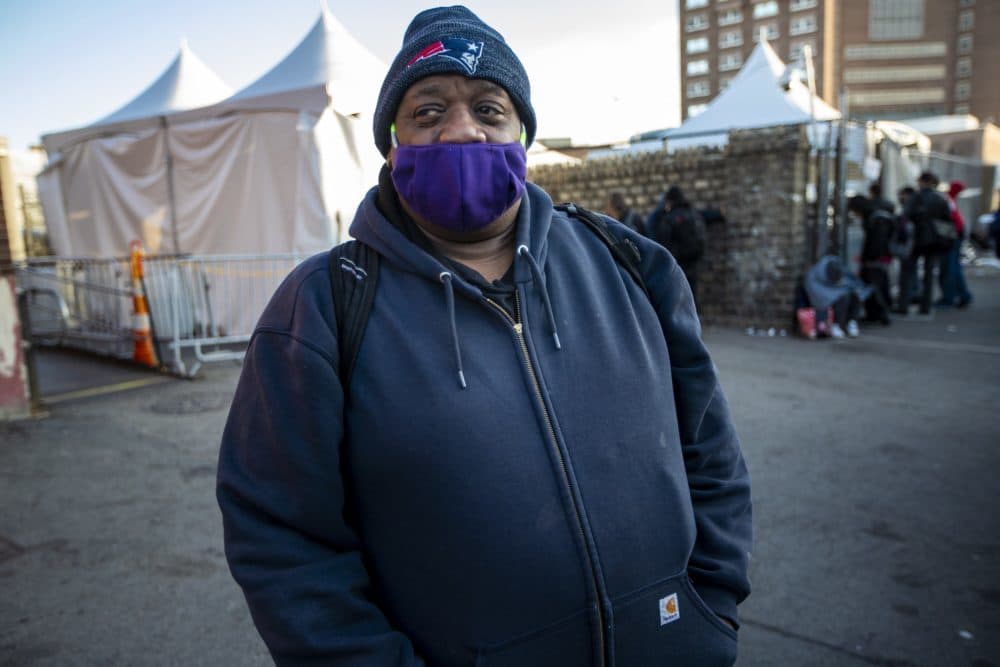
x,y
208,305
202,308
79,302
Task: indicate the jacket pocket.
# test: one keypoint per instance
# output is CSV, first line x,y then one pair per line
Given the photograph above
x,y
668,623
566,642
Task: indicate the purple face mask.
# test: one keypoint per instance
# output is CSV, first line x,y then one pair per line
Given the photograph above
x,y
461,187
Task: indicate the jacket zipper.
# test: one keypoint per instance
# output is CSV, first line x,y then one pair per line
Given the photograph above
x,y
518,327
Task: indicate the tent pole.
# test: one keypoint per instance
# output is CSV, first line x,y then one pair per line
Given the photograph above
x,y
171,199
842,178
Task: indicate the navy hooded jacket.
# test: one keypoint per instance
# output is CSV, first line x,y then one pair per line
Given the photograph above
x,y
581,501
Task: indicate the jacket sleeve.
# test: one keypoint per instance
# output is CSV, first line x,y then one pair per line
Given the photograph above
x,y
281,489
717,473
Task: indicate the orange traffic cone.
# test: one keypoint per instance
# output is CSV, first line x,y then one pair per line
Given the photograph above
x,y
143,351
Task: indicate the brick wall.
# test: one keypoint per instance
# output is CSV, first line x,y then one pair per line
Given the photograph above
x,y
752,261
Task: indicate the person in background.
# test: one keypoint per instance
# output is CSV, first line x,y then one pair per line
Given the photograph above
x,y
922,209
876,256
680,229
532,463
995,227
876,202
901,247
619,209
828,285
951,279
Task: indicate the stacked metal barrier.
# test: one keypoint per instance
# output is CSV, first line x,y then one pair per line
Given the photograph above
x,y
202,308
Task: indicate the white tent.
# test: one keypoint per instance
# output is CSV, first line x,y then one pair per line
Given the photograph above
x,y
281,165
278,167
764,93
107,183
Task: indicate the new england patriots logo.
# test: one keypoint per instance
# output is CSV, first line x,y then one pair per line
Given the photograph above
x,y
459,49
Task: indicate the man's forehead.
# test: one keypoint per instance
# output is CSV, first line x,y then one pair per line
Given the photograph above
x,y
434,86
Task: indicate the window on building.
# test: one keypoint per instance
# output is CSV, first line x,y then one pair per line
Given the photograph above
x,y
898,97
697,67
965,43
799,5
696,22
802,25
966,20
695,4
763,10
963,67
730,61
962,90
697,45
772,31
894,73
698,89
724,82
730,16
795,52
962,108
966,3
895,19
895,51
695,109
730,38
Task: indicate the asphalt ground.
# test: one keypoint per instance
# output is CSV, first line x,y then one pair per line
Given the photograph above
x,y
875,465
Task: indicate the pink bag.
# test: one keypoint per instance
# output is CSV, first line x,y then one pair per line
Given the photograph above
x,y
807,322
808,326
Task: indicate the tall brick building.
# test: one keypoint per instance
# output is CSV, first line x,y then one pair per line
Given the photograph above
x,y
896,58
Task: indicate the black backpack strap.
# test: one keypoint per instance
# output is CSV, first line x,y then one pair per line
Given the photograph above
x,y
624,250
353,279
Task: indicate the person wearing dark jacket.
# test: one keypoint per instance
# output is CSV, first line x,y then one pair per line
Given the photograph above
x,y
923,208
879,224
619,209
680,229
532,463
878,203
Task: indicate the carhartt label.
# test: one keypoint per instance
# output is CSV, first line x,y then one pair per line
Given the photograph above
x,y
669,611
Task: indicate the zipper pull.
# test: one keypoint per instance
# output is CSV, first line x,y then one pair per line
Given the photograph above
x,y
518,328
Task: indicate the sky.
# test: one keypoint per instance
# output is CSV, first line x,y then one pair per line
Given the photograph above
x,y
599,71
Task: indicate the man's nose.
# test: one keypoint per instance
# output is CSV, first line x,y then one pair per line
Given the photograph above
x,y
460,127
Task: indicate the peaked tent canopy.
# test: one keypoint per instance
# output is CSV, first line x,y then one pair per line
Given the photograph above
x,y
329,58
328,68
187,83
278,167
764,93
282,164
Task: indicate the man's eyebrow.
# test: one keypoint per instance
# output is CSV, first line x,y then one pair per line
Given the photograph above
x,y
429,89
434,89
485,86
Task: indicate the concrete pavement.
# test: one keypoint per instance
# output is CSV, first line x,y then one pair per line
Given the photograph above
x,y
874,464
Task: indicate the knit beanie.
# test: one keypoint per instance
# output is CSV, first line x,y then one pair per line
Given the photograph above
x,y
451,40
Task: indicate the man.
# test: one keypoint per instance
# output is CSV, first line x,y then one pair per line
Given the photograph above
x,y
679,228
951,277
995,228
619,209
923,208
879,223
876,202
901,247
532,462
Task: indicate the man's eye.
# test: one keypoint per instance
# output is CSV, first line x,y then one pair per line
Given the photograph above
x,y
426,112
488,110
